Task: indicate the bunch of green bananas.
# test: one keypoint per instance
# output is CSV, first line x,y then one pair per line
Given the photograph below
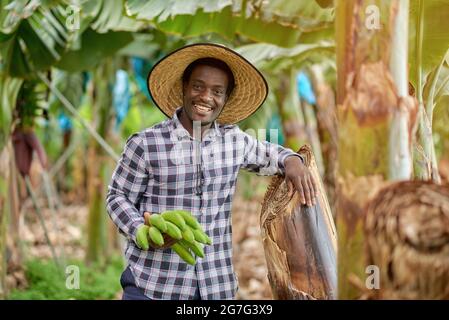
x,y
180,225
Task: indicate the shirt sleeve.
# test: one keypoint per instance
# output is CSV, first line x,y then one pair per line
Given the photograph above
x,y
129,181
265,158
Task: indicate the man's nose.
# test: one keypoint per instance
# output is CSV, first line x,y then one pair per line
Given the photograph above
x,y
206,95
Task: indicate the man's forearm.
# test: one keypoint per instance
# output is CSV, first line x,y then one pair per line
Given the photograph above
x,y
123,213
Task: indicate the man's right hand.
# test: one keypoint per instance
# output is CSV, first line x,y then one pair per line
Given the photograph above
x,y
143,240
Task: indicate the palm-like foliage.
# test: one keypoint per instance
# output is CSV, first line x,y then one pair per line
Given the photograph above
x,y
264,21
33,36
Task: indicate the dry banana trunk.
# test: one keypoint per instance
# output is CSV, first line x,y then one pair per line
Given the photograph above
x,y
407,239
300,242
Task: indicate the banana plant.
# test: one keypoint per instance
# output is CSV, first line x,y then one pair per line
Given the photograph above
x,y
262,21
377,116
33,36
429,44
367,101
9,89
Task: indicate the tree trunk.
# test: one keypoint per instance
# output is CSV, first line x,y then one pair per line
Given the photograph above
x,y
300,242
5,155
327,126
98,164
372,135
312,134
290,112
407,238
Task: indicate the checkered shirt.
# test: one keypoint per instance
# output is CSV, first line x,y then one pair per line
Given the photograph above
x,y
164,168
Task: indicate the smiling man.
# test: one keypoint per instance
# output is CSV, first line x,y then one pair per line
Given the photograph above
x,y
191,162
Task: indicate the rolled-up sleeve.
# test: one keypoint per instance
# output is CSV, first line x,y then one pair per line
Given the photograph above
x,y
129,181
265,158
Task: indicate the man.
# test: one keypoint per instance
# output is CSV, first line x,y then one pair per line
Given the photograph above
x,y
191,162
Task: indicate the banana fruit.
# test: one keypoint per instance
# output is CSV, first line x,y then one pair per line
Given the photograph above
x,y
173,231
183,226
159,222
187,235
184,253
195,246
175,218
189,219
156,236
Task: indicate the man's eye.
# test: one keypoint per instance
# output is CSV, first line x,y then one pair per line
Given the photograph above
x,y
196,86
218,92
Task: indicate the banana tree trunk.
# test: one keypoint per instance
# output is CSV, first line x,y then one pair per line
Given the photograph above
x,y
327,126
374,118
407,239
5,155
300,243
312,134
98,164
293,124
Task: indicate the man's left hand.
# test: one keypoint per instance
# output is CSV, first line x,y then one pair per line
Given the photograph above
x,y
297,175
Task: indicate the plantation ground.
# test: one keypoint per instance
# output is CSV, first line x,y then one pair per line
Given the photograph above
x,y
68,232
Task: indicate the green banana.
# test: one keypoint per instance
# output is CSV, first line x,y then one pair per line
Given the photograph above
x,y
206,237
159,222
199,236
156,236
175,218
184,253
142,237
188,235
195,246
189,219
173,231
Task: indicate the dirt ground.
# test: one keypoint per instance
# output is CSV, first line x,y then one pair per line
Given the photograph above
x,y
66,229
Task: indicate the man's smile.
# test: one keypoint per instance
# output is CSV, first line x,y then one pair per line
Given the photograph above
x,y
202,109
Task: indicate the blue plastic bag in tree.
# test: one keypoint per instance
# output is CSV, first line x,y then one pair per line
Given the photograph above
x,y
121,97
274,130
305,89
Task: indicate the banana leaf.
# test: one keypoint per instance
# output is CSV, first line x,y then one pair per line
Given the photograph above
x,y
95,47
9,90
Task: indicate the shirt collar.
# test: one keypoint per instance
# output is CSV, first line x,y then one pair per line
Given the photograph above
x,y
180,132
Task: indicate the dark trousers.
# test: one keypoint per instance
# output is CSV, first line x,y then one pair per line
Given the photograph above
x,y
132,292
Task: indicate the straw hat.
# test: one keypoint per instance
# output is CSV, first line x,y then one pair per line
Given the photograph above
x,y
165,83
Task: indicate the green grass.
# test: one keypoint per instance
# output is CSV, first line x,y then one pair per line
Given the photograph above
x,y
46,282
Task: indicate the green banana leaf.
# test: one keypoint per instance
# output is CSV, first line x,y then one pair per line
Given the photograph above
x,y
273,59
437,84
71,87
13,12
306,12
33,35
228,18
94,48
435,34
109,15
9,90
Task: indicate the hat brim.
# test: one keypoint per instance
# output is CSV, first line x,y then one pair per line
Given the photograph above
x,y
165,81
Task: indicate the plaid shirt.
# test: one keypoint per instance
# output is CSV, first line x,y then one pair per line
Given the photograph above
x,y
164,168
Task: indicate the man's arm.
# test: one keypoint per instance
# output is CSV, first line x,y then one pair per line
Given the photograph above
x,y
267,158
129,181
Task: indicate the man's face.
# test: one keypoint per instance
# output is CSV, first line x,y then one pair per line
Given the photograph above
x,y
205,94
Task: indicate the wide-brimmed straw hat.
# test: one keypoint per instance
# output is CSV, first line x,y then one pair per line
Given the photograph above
x,y
165,81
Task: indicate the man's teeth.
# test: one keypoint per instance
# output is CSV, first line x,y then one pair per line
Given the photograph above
x,y
202,108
